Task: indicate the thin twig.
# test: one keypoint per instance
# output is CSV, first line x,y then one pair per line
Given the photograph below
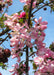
x,y
30,10
3,40
42,7
4,31
32,54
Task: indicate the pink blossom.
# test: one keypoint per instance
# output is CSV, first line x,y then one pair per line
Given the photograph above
x,y
42,27
38,60
22,35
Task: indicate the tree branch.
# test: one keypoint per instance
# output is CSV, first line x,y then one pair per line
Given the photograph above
x,y
27,52
30,10
4,31
42,7
3,40
32,54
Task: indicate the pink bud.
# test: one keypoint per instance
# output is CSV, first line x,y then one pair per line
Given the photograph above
x,y
23,14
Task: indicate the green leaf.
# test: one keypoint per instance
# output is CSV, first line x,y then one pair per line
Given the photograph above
x,y
21,20
26,15
21,63
31,61
20,54
34,66
31,49
4,66
0,39
26,8
39,33
1,64
40,1
51,47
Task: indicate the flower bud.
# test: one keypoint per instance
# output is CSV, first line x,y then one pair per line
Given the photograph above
x,y
22,15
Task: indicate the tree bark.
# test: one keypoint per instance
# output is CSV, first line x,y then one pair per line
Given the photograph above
x,y
27,52
27,60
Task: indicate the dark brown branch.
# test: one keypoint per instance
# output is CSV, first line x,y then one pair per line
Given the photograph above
x,y
4,31
27,52
32,54
3,40
47,4
30,10
27,60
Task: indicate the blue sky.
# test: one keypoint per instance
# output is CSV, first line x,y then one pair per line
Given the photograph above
x,y
49,31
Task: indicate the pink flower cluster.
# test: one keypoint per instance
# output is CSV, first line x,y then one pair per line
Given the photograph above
x,y
18,69
45,64
22,35
45,57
